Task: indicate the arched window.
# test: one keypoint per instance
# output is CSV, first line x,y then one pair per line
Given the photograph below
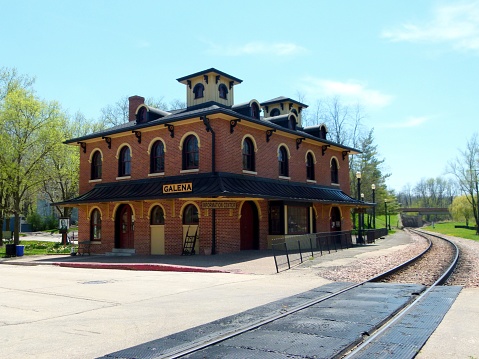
x,y
255,110
199,90
95,225
124,165
292,122
190,215
96,165
191,153
157,216
283,161
223,91
142,115
310,166
322,132
248,155
157,157
334,171
274,112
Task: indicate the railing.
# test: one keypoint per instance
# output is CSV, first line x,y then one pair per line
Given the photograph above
x,y
290,250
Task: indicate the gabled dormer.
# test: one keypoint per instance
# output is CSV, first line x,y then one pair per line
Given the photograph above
x,y
281,106
209,86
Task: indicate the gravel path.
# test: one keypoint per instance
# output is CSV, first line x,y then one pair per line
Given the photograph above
x,y
466,273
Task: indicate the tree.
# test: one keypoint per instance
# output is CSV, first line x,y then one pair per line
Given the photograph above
x,y
465,169
29,129
461,209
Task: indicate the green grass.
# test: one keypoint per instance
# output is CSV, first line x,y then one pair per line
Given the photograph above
x,y
40,248
448,229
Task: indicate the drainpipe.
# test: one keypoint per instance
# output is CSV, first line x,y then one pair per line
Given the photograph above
x,y
206,121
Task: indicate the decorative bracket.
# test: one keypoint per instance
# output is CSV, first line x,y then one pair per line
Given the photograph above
x,y
137,135
206,78
83,146
108,141
188,82
266,109
233,124
217,78
324,148
290,106
206,121
269,133
231,84
282,106
298,142
345,153
171,128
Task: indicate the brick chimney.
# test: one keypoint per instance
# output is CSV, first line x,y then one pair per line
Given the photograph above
x,y
133,103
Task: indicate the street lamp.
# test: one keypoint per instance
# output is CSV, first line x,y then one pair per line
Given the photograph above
x,y
386,212
373,187
360,236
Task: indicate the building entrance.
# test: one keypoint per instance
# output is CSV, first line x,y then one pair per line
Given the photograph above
x,y
124,227
249,226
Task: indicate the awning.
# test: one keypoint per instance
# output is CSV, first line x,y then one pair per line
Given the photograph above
x,y
209,186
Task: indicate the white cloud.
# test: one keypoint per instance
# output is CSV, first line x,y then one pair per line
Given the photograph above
x,y
257,48
408,123
457,24
349,92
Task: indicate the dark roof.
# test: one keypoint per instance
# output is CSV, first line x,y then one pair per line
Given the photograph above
x,y
204,72
214,185
282,99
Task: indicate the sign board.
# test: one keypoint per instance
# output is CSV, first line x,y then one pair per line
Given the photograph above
x,y
177,188
218,205
63,224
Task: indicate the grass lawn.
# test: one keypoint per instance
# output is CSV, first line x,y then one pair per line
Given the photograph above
x,y
37,247
448,229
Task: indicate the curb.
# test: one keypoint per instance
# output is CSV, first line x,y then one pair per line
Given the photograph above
x,y
139,267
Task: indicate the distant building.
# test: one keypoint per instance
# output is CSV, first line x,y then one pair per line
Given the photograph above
x,y
218,169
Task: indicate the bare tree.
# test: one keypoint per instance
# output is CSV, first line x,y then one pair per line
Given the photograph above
x,y
465,169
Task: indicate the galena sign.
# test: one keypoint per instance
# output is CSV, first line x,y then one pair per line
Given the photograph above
x,y
177,188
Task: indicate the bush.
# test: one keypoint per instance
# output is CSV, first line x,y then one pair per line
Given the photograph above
x,y
36,221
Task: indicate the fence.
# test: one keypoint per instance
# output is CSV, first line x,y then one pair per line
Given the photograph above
x,y
290,250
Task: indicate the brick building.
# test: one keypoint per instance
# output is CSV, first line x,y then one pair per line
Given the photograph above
x,y
234,175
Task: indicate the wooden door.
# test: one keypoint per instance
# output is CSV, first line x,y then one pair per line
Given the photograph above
x,y
126,228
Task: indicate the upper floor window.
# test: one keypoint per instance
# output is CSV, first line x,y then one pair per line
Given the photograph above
x,y
190,215
157,216
157,157
283,161
310,166
255,110
322,132
191,153
248,155
334,171
274,112
124,165
95,225
96,164
142,115
223,91
199,90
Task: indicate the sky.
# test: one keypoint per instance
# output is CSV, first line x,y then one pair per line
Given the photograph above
x,y
412,66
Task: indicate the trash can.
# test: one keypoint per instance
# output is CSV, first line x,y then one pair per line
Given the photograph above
x,y
10,250
20,250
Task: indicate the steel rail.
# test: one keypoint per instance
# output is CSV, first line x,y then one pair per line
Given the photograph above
x,y
203,343
415,302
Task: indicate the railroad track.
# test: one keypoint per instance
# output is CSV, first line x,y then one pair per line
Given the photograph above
x,y
342,320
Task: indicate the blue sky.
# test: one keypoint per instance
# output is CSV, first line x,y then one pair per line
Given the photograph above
x,y
413,66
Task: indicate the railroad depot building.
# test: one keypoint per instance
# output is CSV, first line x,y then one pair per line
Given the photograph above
x,y
229,176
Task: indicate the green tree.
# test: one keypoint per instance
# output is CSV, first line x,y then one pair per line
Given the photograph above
x,y
461,209
29,132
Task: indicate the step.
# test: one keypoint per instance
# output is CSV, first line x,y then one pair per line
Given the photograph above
x,y
121,252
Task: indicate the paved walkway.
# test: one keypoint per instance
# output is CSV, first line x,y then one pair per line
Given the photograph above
x,y
456,337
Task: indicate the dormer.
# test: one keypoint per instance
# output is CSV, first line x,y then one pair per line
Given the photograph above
x,y
251,109
317,131
281,106
209,86
146,113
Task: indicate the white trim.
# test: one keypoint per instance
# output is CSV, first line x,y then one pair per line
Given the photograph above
x,y
190,171
123,178
94,180
250,172
284,178
311,181
156,174
335,184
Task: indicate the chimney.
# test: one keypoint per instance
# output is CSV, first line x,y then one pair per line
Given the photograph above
x,y
133,103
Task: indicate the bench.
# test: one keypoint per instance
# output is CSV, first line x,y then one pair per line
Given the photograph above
x,y
84,247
